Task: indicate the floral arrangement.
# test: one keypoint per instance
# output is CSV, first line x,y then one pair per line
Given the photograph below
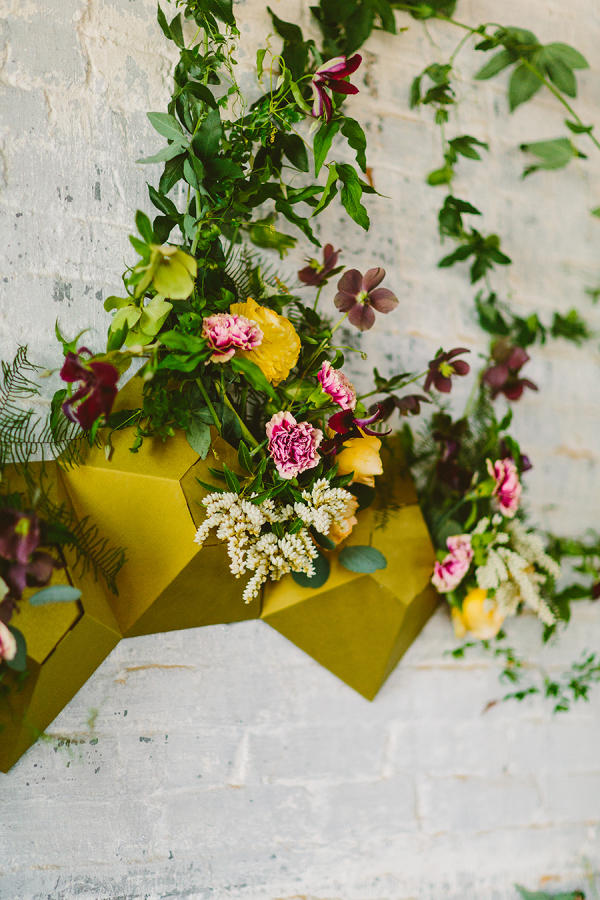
x,y
228,349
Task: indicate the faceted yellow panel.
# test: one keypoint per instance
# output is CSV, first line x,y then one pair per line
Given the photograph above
x,y
150,503
356,625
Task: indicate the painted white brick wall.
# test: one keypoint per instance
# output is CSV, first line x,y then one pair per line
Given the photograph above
x,y
223,762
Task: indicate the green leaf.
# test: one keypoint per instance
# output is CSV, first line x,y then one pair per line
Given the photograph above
x,y
168,152
322,142
578,128
176,32
356,138
362,559
162,203
351,195
569,55
55,593
414,97
260,58
522,86
295,150
198,437
287,30
254,375
162,21
244,458
19,662
543,895
329,191
322,569
166,125
207,139
551,154
495,65
440,176
172,173
233,482
144,227
465,145
562,76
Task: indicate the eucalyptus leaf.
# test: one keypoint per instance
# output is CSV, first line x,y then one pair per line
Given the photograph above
x,y
362,559
55,593
322,569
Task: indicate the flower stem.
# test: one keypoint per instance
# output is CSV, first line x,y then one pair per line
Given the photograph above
x,y
317,297
208,402
244,429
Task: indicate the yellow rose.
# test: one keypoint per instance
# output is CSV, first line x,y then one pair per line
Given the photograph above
x,y
278,352
361,456
339,531
479,615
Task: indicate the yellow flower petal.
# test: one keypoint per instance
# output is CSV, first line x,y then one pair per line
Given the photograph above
x,y
479,615
278,352
361,456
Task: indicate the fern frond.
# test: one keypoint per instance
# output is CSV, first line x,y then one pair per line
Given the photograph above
x,y
24,434
251,275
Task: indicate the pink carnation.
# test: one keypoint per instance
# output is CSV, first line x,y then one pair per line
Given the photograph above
x,y
339,388
227,333
508,487
8,644
449,573
459,546
292,445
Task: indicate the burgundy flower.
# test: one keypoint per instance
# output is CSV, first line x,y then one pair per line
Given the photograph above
x,y
503,377
330,75
596,591
315,273
19,535
359,295
407,405
23,563
441,370
96,391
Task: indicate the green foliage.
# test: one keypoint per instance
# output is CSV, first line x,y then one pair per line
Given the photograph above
x,y
23,433
55,593
544,895
322,569
553,154
363,559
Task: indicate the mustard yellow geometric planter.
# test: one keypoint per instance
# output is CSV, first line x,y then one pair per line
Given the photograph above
x,y
150,503
359,626
66,642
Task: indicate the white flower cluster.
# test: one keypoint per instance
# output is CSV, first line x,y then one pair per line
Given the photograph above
x,y
510,569
325,506
253,547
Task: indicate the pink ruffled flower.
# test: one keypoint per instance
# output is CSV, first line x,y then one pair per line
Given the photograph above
x,y
508,487
449,573
339,388
292,445
226,333
332,75
460,547
8,644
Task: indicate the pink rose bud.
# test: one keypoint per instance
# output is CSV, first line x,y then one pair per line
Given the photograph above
x,y
508,487
226,333
8,644
339,388
292,445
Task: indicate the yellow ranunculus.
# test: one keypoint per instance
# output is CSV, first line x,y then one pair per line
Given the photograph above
x,y
361,456
278,352
479,615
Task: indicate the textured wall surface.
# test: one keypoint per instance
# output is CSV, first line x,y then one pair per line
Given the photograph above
x,y
222,762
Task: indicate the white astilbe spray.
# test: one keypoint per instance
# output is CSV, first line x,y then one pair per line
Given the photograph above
x,y
325,506
253,547
510,570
